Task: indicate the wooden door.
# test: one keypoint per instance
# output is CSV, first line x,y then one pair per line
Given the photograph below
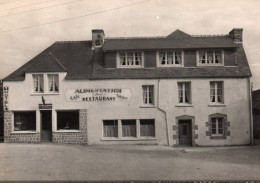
x,y
185,135
46,126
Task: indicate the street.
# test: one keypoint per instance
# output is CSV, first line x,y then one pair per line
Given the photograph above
x,y
127,162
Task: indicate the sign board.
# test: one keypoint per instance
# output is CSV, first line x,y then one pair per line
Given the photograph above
x,y
98,95
5,96
45,106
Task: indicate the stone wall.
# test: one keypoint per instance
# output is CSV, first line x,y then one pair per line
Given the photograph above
x,y
10,137
74,137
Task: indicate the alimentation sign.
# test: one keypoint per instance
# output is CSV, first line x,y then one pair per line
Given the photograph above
x,y
98,95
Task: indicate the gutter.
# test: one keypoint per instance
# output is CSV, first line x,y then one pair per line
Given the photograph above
x,y
165,114
250,111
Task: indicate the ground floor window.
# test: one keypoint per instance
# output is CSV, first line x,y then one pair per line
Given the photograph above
x,y
129,128
217,126
110,128
147,128
67,120
25,121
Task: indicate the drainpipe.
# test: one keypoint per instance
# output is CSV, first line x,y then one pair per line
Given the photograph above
x,y
165,114
250,110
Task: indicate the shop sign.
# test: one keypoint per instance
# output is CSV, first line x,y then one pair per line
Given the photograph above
x,y
6,95
98,95
45,106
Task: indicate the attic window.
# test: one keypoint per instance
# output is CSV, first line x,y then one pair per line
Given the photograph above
x,y
210,57
170,58
130,59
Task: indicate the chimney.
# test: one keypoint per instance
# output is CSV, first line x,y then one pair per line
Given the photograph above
x,y
98,38
237,35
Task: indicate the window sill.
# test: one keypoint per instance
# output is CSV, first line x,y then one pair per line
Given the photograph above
x,y
170,66
218,137
184,105
128,139
210,65
41,94
216,105
67,131
23,132
147,106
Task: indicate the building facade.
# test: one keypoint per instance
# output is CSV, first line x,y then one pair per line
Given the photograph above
x,y
174,90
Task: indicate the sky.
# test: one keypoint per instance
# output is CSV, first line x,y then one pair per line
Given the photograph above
x,y
27,27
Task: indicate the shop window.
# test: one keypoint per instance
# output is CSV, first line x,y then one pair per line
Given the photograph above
x,y
147,128
130,59
216,92
67,120
184,92
38,84
148,94
170,58
213,57
110,128
53,83
128,128
25,121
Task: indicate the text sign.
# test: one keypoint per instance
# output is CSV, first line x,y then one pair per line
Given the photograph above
x,y
98,95
6,94
45,106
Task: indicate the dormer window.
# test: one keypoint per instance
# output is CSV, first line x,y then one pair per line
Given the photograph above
x,y
130,59
170,58
210,57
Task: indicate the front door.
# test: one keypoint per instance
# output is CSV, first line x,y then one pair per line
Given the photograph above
x,y
185,136
46,126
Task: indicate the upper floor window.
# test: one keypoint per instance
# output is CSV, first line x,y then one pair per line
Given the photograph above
x,y
38,84
53,80
213,57
148,94
184,92
216,92
130,59
171,58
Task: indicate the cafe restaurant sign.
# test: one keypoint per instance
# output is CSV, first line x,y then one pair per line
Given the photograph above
x,y
98,95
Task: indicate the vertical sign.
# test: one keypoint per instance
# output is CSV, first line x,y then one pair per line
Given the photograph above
x,y
6,90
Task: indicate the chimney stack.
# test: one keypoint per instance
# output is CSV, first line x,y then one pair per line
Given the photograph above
x,y
237,35
98,38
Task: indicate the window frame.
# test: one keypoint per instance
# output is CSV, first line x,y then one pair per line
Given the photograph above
x,y
134,59
103,129
183,85
206,57
148,95
225,126
40,78
57,79
217,134
166,58
216,92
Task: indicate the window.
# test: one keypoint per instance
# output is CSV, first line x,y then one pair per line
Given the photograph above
x,y
110,128
170,58
25,121
217,126
67,120
184,91
210,57
147,128
216,92
148,94
128,128
130,59
53,83
38,86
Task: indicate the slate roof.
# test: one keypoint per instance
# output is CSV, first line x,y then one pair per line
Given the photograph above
x,y
80,61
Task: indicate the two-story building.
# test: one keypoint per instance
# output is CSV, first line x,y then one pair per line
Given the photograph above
x,y
173,90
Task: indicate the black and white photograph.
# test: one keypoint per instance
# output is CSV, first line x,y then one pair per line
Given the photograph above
x,y
130,91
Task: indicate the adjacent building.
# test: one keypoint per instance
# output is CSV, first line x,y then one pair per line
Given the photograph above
x,y
174,90
256,113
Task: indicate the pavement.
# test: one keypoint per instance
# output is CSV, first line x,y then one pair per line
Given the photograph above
x,y
52,162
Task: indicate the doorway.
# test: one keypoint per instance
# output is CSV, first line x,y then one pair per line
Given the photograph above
x,y
46,126
185,133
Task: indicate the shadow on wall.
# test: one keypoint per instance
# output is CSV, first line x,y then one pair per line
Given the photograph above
x,y
1,112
